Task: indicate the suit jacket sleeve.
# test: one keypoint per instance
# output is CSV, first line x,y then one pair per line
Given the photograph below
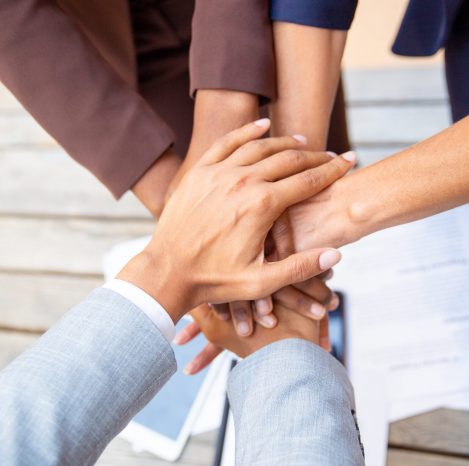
x,y
64,399
79,99
293,404
328,14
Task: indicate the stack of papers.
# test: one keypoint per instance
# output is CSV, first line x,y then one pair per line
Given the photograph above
x,y
407,312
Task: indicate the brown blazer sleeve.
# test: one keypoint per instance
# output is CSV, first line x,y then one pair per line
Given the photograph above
x,y
232,47
78,98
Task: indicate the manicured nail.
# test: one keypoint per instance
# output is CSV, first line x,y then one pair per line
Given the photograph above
x,y
317,310
267,321
263,123
332,154
329,258
300,138
334,302
177,339
350,156
264,306
190,368
243,328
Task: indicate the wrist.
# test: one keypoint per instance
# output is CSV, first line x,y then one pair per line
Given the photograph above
x,y
152,186
155,275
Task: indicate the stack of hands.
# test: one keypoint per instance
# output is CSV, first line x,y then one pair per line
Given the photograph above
x,y
247,193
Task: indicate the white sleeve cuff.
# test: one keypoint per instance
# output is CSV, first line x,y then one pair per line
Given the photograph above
x,y
152,308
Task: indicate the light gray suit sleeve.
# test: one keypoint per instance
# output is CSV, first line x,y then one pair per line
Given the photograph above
x,y
65,398
293,405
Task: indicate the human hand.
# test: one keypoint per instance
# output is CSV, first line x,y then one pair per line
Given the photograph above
x,y
313,298
222,335
209,242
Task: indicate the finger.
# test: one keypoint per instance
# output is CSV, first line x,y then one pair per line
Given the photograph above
x,y
333,303
260,149
241,313
203,359
187,334
326,275
290,162
264,306
299,302
316,289
324,338
266,321
303,185
222,311
299,267
282,235
226,145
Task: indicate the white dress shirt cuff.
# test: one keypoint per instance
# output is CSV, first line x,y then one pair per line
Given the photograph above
x,y
152,308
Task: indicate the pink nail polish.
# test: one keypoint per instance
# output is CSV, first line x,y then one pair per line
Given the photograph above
x,y
263,123
263,306
332,154
243,328
350,156
300,138
329,258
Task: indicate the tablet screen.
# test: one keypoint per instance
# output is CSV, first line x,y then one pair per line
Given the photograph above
x,y
167,412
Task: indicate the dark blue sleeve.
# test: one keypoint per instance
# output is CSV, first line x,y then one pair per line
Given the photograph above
x,y
328,14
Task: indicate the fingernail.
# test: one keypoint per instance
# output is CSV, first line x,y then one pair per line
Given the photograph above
x,y
268,321
334,302
317,310
263,123
263,306
350,156
329,258
300,138
329,275
223,316
243,328
177,339
332,154
190,368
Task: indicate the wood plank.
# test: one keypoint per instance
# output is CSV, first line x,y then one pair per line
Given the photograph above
x,y
72,246
372,85
18,127
34,302
49,182
198,452
439,431
12,344
398,457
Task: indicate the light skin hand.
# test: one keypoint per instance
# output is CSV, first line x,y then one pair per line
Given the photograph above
x,y
209,242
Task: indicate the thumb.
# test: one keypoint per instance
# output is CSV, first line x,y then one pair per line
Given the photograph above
x,y
297,268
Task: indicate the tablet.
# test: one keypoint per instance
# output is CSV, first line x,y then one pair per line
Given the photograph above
x,y
164,425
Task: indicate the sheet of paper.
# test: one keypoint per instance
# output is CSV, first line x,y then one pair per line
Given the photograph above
x,y
407,292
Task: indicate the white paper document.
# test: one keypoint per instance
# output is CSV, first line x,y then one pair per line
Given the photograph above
x,y
407,292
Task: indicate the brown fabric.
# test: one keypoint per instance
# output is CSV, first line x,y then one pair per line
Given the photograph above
x,y
232,47
72,64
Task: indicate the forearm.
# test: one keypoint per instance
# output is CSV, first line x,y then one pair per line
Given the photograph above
x,y
66,397
423,180
216,113
307,405
308,69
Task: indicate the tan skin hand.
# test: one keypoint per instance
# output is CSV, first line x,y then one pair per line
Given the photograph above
x,y
209,242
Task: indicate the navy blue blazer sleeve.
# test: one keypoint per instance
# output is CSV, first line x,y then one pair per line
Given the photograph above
x,y
328,14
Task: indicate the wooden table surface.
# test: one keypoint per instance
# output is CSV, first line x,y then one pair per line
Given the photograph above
x,y
56,222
